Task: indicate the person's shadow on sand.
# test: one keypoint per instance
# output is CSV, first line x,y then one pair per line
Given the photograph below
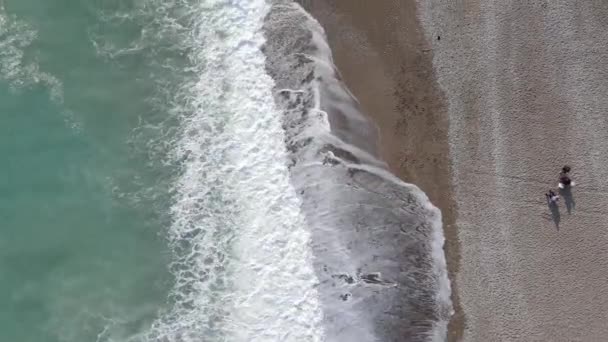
x,y
555,215
568,198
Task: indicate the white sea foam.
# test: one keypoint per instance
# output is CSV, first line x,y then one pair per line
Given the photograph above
x,y
243,262
15,36
15,69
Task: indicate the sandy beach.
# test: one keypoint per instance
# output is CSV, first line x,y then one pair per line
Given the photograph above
x,y
481,105
525,85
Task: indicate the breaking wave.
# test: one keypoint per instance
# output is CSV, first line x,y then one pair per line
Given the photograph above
x,y
285,225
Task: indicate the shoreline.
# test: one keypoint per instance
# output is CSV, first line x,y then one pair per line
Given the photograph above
x,y
390,72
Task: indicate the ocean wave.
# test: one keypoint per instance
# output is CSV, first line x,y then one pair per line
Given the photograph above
x,y
285,225
242,259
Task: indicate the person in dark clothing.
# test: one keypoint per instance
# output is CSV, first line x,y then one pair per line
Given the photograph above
x,y
564,178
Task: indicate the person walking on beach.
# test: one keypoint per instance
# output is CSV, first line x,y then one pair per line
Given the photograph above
x,y
564,177
552,197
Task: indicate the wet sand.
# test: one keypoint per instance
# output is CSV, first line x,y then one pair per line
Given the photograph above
x,y
382,56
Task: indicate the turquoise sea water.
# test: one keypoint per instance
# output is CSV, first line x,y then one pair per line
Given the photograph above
x,y
82,254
